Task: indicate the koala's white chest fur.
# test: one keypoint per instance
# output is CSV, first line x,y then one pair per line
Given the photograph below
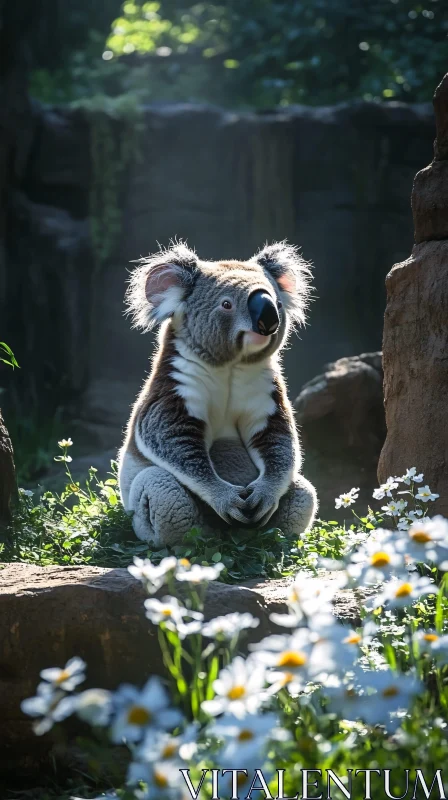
x,y
233,401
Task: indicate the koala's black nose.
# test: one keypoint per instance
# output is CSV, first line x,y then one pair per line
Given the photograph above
x,y
263,313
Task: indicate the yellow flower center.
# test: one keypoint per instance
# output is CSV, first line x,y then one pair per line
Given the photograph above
x,y
292,658
166,612
430,637
355,638
236,692
421,537
184,562
160,779
293,597
390,691
380,559
64,676
245,735
350,693
138,715
404,590
169,750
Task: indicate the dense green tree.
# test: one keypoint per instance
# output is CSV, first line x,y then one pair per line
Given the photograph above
x,y
264,52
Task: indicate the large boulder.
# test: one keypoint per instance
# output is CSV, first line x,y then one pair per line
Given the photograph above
x,y
341,418
415,341
50,614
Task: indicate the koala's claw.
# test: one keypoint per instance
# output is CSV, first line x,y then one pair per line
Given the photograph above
x,y
261,503
229,503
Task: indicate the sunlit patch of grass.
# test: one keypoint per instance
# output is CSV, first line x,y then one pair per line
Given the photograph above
x,y
86,523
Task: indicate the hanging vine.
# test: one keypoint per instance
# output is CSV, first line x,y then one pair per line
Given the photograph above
x,y
115,127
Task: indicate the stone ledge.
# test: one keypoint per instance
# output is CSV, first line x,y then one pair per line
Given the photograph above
x,y
50,614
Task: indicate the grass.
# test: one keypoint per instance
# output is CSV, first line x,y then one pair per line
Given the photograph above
x,y
85,523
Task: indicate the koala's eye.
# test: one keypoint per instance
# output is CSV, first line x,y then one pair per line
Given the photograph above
x,y
226,304
279,304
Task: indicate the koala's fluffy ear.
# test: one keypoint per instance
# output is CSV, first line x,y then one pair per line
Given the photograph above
x,y
292,275
159,284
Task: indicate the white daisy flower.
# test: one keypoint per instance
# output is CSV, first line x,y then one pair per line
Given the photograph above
x,y
415,514
140,711
335,649
425,494
411,476
345,500
400,593
426,541
26,492
163,779
65,443
67,678
375,697
161,746
93,706
376,560
439,650
403,524
46,707
287,658
394,508
153,576
426,640
229,625
171,613
392,693
239,688
386,489
195,573
308,596
246,738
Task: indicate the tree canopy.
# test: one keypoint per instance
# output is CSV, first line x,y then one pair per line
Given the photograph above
x,y
263,52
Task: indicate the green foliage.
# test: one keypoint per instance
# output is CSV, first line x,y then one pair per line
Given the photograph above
x,y
259,554
8,357
84,524
267,53
33,437
259,53
115,127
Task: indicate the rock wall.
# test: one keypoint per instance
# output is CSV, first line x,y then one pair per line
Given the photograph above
x,y
334,180
415,343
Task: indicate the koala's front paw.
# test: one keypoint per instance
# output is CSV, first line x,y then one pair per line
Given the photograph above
x,y
228,500
261,502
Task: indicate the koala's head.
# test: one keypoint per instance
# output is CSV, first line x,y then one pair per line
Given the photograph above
x,y
223,311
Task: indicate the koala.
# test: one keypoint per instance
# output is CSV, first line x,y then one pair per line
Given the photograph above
x,y
211,440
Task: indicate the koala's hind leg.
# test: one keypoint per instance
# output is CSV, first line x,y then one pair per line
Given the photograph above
x,y
297,509
164,510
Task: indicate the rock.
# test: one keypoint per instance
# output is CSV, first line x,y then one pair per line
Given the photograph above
x,y
430,202
50,614
7,473
341,419
415,351
415,339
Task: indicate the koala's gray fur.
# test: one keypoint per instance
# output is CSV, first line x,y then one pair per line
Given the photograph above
x,y
212,440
